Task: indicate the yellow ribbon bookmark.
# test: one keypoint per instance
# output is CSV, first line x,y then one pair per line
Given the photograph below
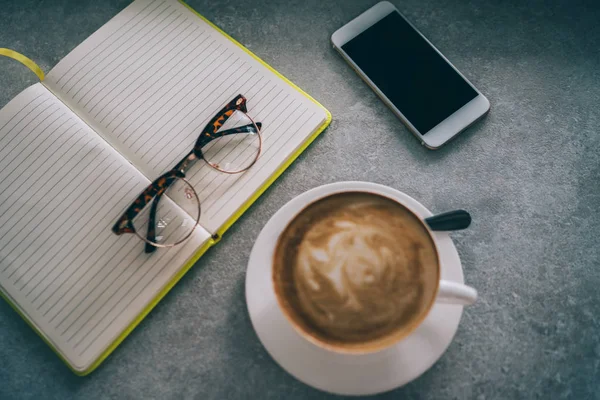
x,y
23,60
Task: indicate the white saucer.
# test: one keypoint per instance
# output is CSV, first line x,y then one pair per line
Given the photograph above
x,y
341,373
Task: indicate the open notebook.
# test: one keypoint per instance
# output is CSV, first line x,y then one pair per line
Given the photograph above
x,y
76,149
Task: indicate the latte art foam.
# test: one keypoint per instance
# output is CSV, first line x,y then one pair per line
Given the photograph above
x,y
355,267
347,274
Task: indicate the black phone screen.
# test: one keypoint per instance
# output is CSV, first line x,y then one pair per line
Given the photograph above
x,y
412,75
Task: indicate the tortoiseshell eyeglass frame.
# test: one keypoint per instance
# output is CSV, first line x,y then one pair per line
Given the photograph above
x,y
161,184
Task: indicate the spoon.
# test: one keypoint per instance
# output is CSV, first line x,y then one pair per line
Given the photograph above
x,y
449,221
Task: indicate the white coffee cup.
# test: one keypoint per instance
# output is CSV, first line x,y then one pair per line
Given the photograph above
x,y
448,292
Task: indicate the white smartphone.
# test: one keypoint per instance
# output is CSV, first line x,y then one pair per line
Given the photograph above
x,y
429,95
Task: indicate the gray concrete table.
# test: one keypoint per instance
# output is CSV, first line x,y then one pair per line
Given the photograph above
x,y
529,174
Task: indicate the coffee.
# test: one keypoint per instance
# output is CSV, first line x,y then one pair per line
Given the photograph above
x,y
355,271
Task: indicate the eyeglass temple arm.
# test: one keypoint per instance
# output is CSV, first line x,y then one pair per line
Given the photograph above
x,y
181,167
151,234
156,188
240,129
125,222
210,130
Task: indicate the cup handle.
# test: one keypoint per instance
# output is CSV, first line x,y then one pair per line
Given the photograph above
x,y
456,293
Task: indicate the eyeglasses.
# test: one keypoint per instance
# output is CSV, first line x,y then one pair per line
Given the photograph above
x,y
231,143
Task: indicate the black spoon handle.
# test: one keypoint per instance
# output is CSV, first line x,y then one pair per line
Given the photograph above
x,y
449,221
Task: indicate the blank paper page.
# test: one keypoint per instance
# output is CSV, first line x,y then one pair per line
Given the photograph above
x,y
150,80
63,187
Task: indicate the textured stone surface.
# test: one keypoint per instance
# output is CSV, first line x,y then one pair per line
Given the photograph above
x,y
529,174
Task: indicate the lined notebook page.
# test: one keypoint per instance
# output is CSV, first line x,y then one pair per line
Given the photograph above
x,y
150,80
62,189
